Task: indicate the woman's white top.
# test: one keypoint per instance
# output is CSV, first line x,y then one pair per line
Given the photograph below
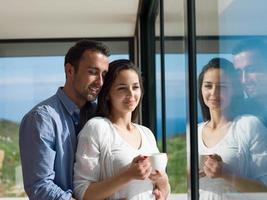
x,y
103,153
243,151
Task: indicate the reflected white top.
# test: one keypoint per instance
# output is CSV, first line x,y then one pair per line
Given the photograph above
x,y
102,153
244,152
245,196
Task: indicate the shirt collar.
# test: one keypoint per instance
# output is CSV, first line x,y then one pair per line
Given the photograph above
x,y
70,106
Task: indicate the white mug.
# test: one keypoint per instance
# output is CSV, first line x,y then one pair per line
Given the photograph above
x,y
158,161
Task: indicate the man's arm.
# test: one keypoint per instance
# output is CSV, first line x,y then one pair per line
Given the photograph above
x,y
37,151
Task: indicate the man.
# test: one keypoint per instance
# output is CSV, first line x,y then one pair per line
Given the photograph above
x,y
48,132
250,59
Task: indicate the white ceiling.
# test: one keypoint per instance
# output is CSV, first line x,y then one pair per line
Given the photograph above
x,y
34,19
67,18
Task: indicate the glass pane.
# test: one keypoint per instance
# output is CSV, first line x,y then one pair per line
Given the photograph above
x,y
232,71
25,81
175,96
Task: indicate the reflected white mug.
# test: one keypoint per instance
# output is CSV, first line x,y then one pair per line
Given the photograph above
x,y
201,160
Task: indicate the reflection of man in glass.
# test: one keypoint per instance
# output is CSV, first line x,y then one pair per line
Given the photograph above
x,y
250,59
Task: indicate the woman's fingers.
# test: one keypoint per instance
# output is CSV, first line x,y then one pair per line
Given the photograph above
x,y
139,158
201,173
155,175
158,194
140,168
216,157
213,168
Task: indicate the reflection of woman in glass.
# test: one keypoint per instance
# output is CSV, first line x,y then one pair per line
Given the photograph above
x,y
235,145
111,161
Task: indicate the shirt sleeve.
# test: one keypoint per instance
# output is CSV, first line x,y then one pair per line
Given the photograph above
x,y
254,139
37,151
87,164
258,152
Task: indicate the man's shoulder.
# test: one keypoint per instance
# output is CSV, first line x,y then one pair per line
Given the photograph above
x,y
253,107
40,117
46,107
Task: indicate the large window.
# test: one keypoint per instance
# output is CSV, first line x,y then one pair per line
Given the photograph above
x,y
173,62
25,81
175,119
231,130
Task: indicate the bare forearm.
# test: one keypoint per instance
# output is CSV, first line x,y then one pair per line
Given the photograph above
x,y
106,188
245,185
163,185
166,191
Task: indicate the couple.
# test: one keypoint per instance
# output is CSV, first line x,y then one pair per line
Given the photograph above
x,y
111,151
234,142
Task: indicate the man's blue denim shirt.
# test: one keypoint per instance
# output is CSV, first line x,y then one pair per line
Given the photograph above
x,y
47,141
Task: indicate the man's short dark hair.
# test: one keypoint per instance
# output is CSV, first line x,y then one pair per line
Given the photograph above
x,y
75,53
254,44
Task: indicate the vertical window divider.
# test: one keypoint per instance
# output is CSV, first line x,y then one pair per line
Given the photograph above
x,y
162,63
192,138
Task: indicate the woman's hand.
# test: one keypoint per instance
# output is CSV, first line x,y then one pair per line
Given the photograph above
x,y
162,187
213,166
157,176
158,194
140,168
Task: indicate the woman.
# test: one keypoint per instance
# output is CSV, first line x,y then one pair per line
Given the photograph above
x,y
235,144
112,156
